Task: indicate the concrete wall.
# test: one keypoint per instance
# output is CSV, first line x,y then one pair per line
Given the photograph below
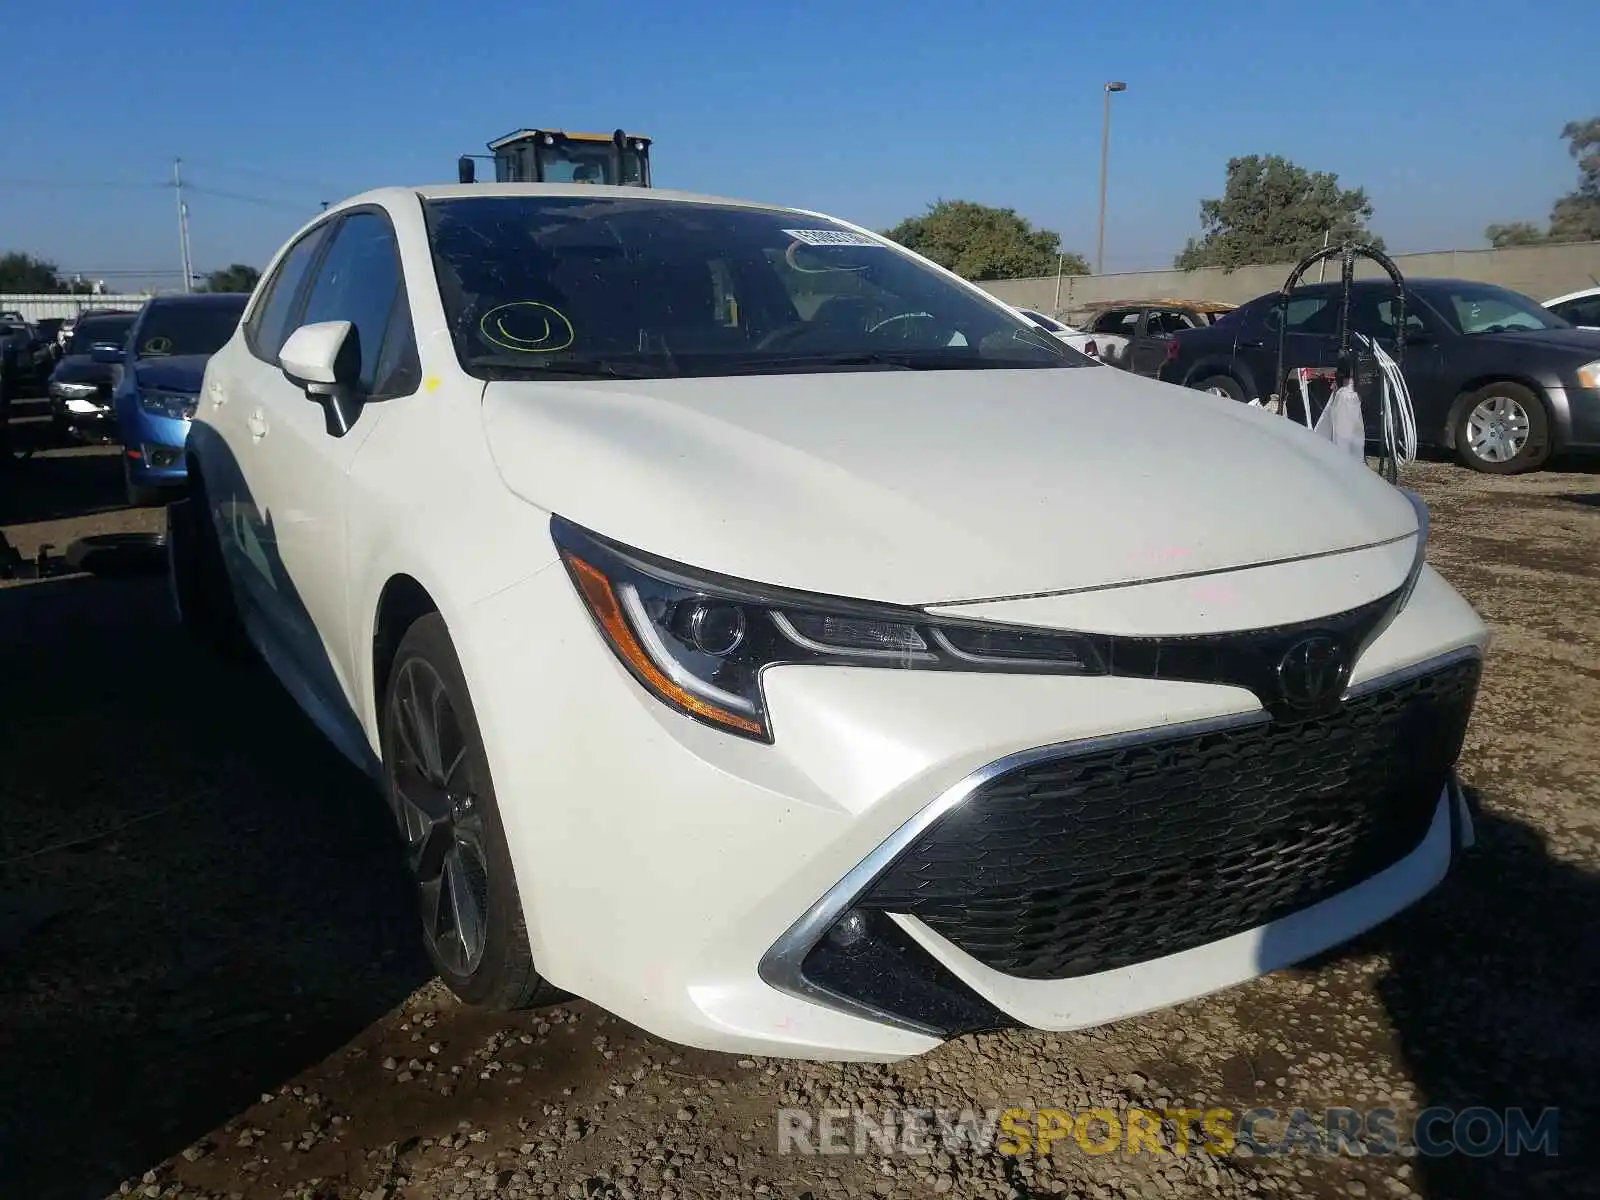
x,y
38,307
1542,272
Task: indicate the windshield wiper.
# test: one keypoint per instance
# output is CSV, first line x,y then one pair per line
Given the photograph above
x,y
573,368
887,359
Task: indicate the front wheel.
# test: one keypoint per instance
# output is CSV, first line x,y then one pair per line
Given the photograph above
x,y
1503,429
437,777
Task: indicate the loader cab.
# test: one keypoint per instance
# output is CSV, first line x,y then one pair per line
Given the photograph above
x,y
552,156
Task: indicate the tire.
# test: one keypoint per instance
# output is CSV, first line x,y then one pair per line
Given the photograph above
x,y
1503,429
202,594
1225,385
450,824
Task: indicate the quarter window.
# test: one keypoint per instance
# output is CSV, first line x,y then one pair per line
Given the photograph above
x,y
269,324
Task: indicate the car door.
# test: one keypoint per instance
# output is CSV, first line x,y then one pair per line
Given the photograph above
x,y
1374,311
1160,326
304,469
1114,331
224,439
1307,330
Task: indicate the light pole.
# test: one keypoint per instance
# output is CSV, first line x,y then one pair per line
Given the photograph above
x,y
1105,158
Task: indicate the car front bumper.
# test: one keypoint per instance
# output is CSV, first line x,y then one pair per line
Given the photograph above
x,y
154,450
688,881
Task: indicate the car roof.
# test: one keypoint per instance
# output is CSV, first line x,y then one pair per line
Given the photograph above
x,y
200,299
1203,306
467,191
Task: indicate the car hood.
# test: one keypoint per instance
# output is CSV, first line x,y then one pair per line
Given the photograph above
x,y
179,373
1584,341
80,368
925,487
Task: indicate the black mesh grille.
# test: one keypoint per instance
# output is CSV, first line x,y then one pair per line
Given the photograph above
x,y
1081,864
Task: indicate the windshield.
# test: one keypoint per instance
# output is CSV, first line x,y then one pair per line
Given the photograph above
x,y
87,334
173,329
1471,308
542,286
587,162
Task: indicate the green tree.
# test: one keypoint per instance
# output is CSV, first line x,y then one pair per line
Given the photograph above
x,y
235,278
1272,211
27,274
1515,233
1575,217
979,242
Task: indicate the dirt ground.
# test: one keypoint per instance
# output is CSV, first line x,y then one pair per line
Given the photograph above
x,y
210,983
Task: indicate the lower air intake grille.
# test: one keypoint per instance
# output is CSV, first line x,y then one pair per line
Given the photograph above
x,y
1084,863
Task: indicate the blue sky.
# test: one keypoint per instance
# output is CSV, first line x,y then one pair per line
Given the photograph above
x,y
1447,112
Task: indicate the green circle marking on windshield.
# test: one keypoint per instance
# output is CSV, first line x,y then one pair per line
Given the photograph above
x,y
158,345
527,327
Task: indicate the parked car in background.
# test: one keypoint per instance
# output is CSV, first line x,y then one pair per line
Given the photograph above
x,y
1494,376
161,369
1578,308
49,329
1050,324
27,359
857,669
1069,334
80,387
1134,334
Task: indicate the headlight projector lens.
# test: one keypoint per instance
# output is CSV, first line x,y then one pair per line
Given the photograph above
x,y
716,629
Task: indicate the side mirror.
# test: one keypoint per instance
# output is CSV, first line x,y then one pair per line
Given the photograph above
x,y
324,358
466,170
105,352
1418,337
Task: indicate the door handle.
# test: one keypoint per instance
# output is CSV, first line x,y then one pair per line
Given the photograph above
x,y
258,424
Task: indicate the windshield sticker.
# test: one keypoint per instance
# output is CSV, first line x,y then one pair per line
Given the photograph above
x,y
527,327
832,237
158,346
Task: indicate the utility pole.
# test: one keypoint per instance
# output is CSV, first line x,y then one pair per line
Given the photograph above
x,y
1105,159
183,227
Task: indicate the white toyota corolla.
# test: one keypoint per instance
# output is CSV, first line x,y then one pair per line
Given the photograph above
x,y
765,634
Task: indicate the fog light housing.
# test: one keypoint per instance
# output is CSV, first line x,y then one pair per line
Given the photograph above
x,y
162,456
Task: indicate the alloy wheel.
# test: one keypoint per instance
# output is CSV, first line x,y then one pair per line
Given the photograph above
x,y
431,783
1498,429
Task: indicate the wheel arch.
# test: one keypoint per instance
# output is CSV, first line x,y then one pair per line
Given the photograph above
x,y
401,603
1207,367
1469,387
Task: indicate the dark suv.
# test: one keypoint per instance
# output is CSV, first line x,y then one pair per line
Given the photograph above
x,y
1493,375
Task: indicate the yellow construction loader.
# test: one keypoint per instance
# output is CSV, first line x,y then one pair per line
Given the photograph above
x,y
555,156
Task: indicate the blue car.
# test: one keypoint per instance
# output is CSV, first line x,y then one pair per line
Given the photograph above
x,y
163,364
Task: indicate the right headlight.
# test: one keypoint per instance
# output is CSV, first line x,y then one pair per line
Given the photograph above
x,y
1589,375
700,642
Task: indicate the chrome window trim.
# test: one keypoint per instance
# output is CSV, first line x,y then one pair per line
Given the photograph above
x,y
780,966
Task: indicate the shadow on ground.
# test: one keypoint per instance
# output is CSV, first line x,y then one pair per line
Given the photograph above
x,y
198,898
57,482
1493,995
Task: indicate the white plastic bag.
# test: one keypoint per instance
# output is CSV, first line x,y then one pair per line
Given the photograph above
x,y
1342,424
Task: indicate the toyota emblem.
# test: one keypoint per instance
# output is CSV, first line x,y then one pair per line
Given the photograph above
x,y
1312,672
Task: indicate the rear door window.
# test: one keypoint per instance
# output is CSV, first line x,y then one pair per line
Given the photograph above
x,y
1123,322
1583,311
